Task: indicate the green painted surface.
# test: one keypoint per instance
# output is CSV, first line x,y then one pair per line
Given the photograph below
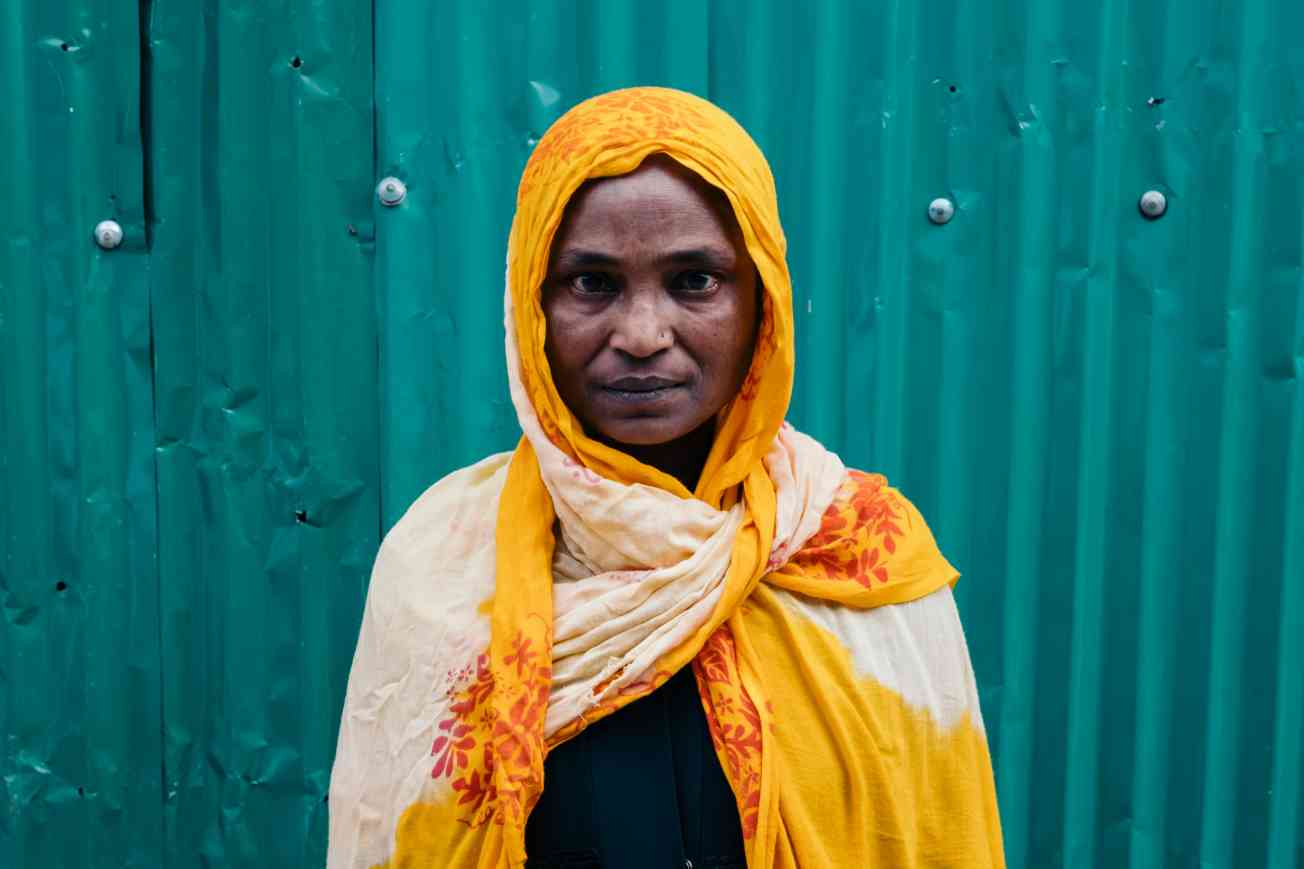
x,y
206,430
79,653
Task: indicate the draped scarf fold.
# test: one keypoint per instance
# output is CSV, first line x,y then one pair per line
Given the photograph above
x,y
523,598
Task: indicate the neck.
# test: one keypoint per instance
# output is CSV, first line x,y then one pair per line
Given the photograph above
x,y
682,458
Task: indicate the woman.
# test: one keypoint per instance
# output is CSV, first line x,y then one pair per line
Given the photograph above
x,y
553,635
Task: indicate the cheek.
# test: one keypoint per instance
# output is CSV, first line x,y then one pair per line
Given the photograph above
x,y
749,324
725,347
568,356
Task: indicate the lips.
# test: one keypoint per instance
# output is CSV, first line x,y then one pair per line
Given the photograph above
x,y
640,390
641,384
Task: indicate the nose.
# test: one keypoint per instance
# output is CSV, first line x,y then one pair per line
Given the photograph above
x,y
642,326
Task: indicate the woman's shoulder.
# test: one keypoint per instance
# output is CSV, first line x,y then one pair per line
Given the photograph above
x,y
873,537
423,630
455,498
446,533
871,487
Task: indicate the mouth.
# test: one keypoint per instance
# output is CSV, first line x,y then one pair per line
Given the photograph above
x,y
641,390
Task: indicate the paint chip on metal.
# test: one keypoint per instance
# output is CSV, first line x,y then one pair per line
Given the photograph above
x,y
1153,204
108,234
391,191
941,210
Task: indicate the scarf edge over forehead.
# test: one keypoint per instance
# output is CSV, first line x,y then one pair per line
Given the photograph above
x,y
593,600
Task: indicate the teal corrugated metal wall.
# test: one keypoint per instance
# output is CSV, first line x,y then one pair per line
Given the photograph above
x,y
206,430
80,700
266,415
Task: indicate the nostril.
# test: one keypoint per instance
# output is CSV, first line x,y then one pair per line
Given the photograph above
x,y
642,341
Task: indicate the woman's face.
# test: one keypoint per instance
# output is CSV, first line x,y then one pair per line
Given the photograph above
x,y
650,303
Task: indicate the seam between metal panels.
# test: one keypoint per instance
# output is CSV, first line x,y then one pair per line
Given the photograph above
x,y
146,120
376,291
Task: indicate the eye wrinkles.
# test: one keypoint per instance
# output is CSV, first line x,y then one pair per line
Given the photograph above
x,y
691,283
694,272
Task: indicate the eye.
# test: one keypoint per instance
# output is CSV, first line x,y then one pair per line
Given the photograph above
x,y
696,283
591,284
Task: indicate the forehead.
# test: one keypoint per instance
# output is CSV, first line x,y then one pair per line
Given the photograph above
x,y
660,202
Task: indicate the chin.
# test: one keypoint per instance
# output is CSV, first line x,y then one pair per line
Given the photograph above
x,y
647,432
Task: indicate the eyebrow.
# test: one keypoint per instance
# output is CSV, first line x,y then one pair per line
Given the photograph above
x,y
579,258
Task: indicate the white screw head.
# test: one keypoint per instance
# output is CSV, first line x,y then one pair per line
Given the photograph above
x,y
941,210
391,191
108,234
1153,204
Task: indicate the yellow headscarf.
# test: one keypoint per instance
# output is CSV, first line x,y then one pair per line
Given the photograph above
x,y
611,135
603,576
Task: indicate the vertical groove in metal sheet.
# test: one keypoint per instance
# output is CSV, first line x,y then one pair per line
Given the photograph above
x,y
742,65
411,332
899,37
551,70
1031,365
1094,544
26,507
1168,397
1285,840
1159,550
685,56
950,258
328,454
182,111
236,414
820,303
612,45
471,232
1235,474
854,419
